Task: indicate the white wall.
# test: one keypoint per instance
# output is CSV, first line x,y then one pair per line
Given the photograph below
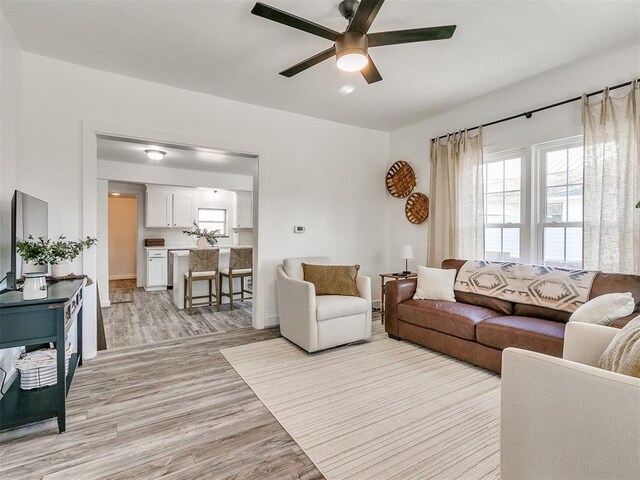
x,y
324,175
412,142
10,85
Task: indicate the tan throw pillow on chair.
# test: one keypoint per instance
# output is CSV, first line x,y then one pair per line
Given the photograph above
x,y
332,279
623,353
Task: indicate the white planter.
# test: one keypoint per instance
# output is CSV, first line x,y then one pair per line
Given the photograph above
x,y
62,269
202,243
32,268
34,286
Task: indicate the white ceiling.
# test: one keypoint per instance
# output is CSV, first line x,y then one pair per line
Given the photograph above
x,y
184,157
218,47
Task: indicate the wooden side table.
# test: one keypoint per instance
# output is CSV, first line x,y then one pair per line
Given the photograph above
x,y
391,276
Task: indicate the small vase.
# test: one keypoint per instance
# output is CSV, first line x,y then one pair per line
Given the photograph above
x,y
202,243
61,269
34,286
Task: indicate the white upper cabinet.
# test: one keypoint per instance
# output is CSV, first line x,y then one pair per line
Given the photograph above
x,y
244,210
183,209
168,207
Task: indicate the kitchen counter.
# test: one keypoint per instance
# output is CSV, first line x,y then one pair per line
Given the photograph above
x,y
187,247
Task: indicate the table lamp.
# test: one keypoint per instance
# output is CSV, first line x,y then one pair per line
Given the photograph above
x,y
407,253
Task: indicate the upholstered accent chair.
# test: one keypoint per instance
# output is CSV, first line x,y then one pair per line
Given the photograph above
x,y
203,266
240,266
319,322
565,418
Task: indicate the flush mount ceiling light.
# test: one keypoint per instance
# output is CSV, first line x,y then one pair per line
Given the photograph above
x,y
114,194
351,52
155,154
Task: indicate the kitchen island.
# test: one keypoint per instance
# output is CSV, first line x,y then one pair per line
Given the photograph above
x,y
180,262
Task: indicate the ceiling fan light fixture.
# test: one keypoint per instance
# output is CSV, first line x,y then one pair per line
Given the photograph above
x,y
352,60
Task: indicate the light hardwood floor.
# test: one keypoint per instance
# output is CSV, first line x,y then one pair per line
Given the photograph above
x,y
174,409
139,317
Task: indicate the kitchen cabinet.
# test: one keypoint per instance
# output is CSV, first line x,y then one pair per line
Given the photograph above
x,y
168,207
244,210
156,270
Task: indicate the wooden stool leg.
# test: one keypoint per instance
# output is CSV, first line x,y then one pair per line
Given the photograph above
x,y
230,291
190,296
184,296
210,292
242,289
218,291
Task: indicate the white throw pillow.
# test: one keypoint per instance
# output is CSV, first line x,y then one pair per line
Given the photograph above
x,y
435,284
604,309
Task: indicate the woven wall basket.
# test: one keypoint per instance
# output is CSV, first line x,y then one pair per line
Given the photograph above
x,y
417,208
401,179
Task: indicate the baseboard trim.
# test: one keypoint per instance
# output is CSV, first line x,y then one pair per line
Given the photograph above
x,y
123,277
105,304
271,321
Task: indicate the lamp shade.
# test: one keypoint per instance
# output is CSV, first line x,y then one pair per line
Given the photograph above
x,y
407,252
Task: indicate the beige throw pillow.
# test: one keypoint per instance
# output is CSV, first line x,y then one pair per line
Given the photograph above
x,y
332,279
605,309
435,284
623,353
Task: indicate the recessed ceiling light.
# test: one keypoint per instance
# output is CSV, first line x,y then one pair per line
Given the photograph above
x,y
155,154
114,194
346,89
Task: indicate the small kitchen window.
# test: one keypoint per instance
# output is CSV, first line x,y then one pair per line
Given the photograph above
x,y
213,219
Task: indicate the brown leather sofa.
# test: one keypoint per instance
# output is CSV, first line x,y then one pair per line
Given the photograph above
x,y
476,328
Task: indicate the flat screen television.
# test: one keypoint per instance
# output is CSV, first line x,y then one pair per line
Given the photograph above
x,y
29,216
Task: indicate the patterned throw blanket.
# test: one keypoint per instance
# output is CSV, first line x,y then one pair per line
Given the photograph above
x,y
549,287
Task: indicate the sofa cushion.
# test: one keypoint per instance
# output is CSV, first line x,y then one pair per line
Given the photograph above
x,y
544,336
333,306
523,310
293,266
457,319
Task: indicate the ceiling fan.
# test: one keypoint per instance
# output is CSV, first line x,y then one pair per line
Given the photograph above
x,y
351,46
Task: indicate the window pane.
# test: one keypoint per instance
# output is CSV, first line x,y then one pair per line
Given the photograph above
x,y
512,207
211,215
512,174
492,243
556,204
574,247
212,226
575,203
553,244
556,167
575,165
495,180
495,208
511,244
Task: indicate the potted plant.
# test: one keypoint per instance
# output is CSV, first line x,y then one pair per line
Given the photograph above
x,y
205,237
34,254
63,251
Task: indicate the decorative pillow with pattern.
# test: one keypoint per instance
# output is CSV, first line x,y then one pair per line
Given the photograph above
x,y
623,353
604,309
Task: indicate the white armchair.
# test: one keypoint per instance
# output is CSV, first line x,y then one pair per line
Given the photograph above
x,y
563,418
318,322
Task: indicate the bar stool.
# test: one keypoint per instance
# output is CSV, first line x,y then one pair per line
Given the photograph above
x,y
240,266
203,266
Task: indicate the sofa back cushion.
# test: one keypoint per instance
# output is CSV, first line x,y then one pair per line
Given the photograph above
x,y
497,304
293,266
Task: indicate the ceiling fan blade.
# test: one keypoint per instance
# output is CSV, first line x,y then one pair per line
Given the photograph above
x,y
365,15
371,73
309,62
408,36
270,13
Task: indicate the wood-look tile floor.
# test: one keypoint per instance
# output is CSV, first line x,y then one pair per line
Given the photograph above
x,y
174,409
139,317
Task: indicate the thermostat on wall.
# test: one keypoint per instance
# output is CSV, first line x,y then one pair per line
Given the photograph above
x,y
298,229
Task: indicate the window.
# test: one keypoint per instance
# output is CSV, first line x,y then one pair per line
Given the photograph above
x,y
213,219
503,206
533,204
560,219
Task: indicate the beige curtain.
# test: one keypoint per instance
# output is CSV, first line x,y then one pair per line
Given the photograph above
x,y
612,182
456,223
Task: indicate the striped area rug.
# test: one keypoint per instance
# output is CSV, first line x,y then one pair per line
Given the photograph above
x,y
379,410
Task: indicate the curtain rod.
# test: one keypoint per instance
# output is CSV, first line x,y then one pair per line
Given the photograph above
x,y
530,113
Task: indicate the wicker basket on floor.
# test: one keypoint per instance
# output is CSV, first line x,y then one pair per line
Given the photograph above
x,y
38,368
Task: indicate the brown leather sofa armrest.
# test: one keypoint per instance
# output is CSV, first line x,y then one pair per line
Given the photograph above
x,y
621,322
395,293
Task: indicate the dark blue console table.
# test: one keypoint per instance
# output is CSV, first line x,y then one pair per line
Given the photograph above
x,y
32,323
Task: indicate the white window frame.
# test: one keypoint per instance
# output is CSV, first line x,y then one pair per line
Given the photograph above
x,y
525,198
224,232
538,152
